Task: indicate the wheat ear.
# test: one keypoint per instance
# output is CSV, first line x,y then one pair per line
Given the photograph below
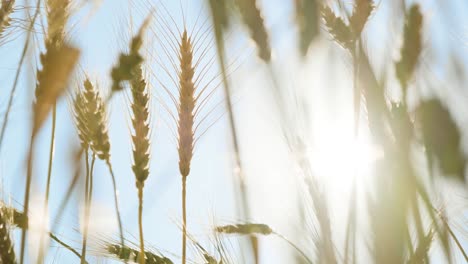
x,y
57,16
58,65
253,19
7,253
308,21
412,46
91,120
185,123
127,253
362,11
141,143
5,11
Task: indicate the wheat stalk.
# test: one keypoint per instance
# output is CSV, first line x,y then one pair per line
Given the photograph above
x,y
57,17
420,253
58,65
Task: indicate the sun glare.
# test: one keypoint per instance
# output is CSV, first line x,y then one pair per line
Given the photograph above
x,y
338,157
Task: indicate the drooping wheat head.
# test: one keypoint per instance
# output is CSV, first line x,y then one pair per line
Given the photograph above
x,y
130,254
245,229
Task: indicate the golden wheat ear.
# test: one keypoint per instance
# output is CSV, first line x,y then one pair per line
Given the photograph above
x,y
186,105
141,126
97,121
80,114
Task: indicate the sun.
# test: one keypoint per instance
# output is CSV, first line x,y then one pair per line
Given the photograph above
x,y
338,157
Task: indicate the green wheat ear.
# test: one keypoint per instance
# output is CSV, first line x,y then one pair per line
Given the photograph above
x,y
412,46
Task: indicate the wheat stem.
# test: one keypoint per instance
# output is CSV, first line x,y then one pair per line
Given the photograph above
x,y
49,177
67,197
26,195
243,207
142,259
88,197
452,234
83,249
56,239
15,82
116,203
184,221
